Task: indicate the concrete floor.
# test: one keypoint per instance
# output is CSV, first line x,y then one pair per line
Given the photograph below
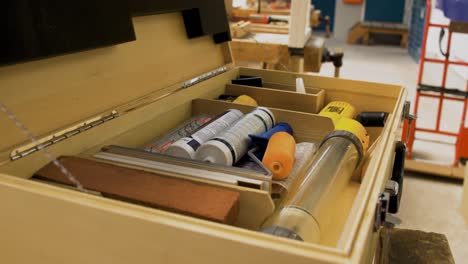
x,y
429,203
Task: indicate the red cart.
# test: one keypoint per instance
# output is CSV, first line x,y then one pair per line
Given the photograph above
x,y
442,93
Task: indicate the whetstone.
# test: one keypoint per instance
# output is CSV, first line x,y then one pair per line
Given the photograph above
x,y
403,246
142,187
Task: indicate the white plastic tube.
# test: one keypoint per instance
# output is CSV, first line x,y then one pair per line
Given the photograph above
x,y
233,143
186,146
300,87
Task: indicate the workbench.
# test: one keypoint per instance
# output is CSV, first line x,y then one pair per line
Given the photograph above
x,y
314,19
361,32
273,52
287,46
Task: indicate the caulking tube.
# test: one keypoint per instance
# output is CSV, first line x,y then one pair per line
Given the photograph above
x,y
185,129
186,146
233,143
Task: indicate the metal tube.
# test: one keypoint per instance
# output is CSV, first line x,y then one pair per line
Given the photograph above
x,y
301,215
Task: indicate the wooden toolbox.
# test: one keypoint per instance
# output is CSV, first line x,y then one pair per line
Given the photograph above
x,y
137,91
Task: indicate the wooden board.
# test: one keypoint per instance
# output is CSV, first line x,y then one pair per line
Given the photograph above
x,y
313,52
286,87
299,24
307,103
273,49
360,32
362,95
63,90
339,215
269,28
251,50
247,11
427,167
459,27
244,12
37,219
300,122
240,29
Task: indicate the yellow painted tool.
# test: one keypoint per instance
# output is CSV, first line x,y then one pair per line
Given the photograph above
x,y
301,214
342,114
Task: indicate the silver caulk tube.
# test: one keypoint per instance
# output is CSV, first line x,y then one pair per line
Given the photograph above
x,y
186,146
233,143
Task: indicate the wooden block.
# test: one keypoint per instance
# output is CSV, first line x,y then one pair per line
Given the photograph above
x,y
365,38
313,54
229,6
240,29
404,40
137,186
242,12
315,18
356,33
362,32
299,30
267,28
430,167
255,51
459,27
296,64
288,100
404,246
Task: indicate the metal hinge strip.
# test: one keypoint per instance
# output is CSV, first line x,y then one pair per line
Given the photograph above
x,y
45,142
60,136
204,77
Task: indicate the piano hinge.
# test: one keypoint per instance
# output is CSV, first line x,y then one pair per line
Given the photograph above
x,y
204,77
47,141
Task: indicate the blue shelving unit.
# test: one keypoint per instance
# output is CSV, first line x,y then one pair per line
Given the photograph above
x,y
416,32
386,11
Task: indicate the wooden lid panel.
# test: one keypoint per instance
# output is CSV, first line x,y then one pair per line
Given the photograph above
x,y
50,94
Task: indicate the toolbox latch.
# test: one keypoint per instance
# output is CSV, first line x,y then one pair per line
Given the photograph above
x,y
396,181
407,116
383,216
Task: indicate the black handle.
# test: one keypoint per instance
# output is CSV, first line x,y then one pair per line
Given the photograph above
x,y
397,176
372,119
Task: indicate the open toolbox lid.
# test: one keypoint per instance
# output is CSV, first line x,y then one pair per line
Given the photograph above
x,y
51,94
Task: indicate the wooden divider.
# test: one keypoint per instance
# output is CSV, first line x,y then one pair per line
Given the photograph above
x,y
281,99
286,87
307,127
